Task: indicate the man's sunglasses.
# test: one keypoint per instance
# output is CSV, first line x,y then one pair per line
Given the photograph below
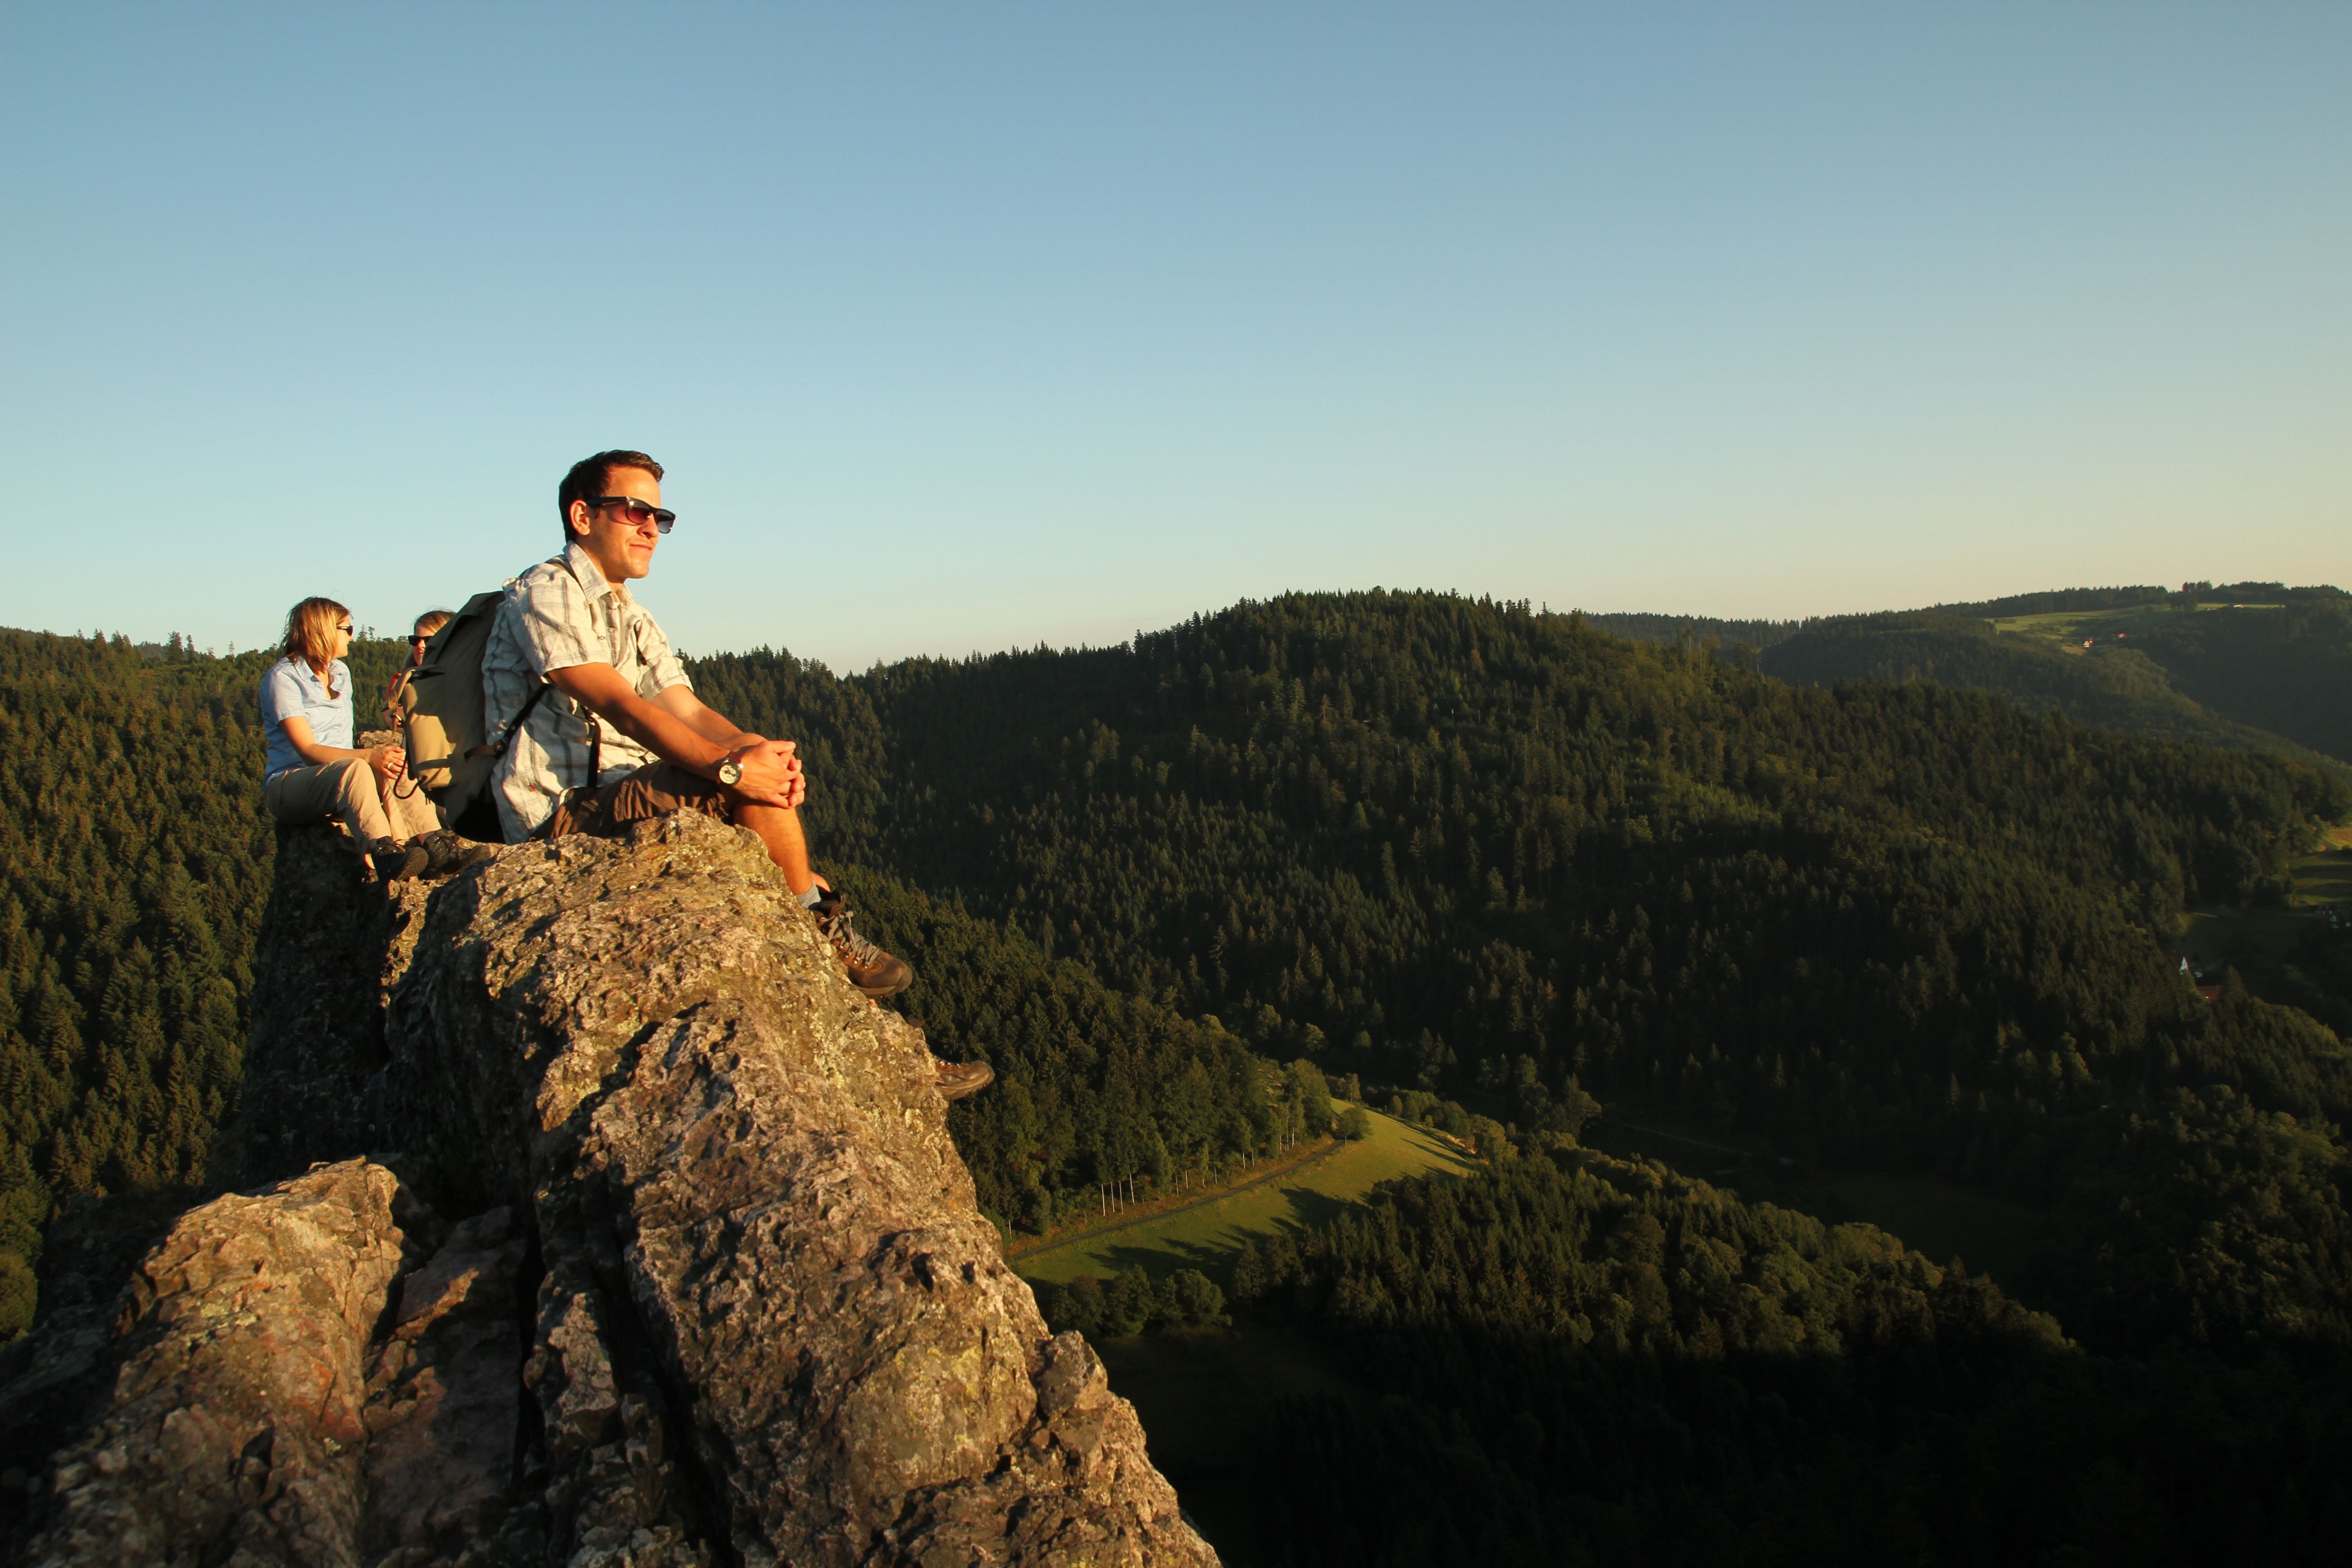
x,y
637,513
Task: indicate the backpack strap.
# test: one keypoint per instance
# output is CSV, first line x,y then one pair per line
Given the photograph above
x,y
513,727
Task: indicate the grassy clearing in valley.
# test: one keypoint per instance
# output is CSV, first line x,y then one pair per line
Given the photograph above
x,y
2073,626
1205,1236
2212,938
1202,1393
2324,876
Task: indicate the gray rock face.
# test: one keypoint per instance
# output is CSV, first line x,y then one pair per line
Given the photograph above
x,y
726,1295
773,1326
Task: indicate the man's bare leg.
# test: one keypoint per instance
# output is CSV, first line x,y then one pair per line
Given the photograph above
x,y
780,830
871,969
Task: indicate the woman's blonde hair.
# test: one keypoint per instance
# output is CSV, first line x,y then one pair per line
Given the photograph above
x,y
311,628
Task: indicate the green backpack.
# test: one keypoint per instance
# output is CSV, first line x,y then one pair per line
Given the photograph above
x,y
439,706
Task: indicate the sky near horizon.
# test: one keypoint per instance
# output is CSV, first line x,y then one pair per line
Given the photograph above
x,y
961,328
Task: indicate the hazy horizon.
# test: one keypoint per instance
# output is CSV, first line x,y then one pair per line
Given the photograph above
x,y
390,632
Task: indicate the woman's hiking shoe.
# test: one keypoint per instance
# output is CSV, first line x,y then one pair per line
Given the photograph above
x,y
397,862
957,1079
871,969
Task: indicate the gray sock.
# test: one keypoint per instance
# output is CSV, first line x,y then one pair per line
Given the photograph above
x,y
809,899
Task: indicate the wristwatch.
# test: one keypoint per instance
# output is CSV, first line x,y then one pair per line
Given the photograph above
x,y
730,772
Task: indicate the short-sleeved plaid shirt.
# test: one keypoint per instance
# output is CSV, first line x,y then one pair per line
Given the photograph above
x,y
559,614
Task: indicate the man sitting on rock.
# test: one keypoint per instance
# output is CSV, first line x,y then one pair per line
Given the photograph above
x,y
611,732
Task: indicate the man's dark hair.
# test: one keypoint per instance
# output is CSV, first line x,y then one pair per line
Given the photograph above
x,y
590,475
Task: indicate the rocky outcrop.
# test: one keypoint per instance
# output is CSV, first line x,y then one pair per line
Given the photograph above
x,y
774,1323
331,948
233,1428
725,1296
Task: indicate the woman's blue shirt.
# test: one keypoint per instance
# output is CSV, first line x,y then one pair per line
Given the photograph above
x,y
292,690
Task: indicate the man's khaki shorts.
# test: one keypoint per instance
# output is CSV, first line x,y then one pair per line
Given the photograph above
x,y
655,790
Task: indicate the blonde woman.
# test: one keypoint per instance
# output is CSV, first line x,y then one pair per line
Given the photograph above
x,y
310,769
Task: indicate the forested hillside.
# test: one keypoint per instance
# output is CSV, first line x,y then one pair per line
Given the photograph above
x,y
1730,635
1466,847
1586,1362
134,858
2120,686
2288,671
2258,665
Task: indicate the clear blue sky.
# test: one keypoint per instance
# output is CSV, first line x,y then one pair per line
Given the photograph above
x,y
970,326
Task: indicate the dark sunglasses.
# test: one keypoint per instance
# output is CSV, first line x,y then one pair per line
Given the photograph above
x,y
637,513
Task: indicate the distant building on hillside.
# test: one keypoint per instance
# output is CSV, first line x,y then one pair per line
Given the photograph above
x,y
2184,967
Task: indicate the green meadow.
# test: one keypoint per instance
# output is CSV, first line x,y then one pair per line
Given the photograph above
x,y
1206,1234
2072,626
2324,876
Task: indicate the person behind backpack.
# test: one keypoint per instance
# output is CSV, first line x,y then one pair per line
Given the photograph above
x,y
310,768
612,733
419,634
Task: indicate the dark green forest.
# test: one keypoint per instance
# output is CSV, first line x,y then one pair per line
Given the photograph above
x,y
1502,855
1588,1361
137,859
1695,629
2277,679
2289,671
1468,847
2118,688
1465,847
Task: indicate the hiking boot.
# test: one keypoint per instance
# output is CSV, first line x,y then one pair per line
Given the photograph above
x,y
397,862
871,969
448,854
957,1079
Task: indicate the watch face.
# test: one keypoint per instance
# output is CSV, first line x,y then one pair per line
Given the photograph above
x,y
730,772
